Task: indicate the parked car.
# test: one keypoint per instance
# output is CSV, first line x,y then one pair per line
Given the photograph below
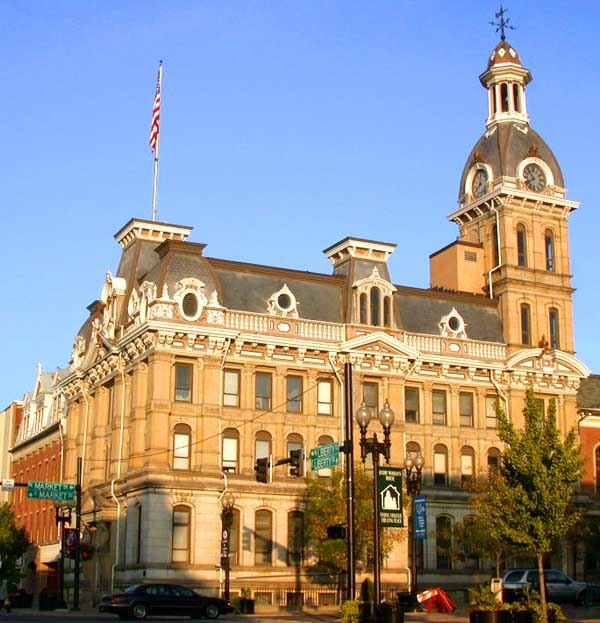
x,y
560,587
142,600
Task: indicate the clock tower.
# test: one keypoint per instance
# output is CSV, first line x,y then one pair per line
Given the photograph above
x,y
513,218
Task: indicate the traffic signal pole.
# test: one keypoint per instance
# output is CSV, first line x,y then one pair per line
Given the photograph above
x,y
348,449
78,529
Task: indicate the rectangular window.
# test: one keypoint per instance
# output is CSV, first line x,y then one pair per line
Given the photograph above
x,y
491,421
439,468
411,404
465,401
230,454
438,398
324,398
263,543
231,388
293,388
525,324
181,451
181,534
371,397
466,468
183,382
263,391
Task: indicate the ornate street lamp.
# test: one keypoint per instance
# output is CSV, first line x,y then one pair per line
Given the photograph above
x,y
413,467
227,506
370,445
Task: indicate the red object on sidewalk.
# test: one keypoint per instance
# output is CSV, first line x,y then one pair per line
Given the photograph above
x,y
438,599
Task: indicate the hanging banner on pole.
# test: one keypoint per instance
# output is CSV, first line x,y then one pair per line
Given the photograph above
x,y
419,517
389,488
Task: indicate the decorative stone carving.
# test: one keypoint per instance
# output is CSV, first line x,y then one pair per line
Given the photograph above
x,y
186,291
452,325
283,303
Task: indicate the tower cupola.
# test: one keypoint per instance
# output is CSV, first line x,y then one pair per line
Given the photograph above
x,y
505,79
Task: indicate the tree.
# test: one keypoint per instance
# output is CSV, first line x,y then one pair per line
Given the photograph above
x,y
528,503
13,543
325,505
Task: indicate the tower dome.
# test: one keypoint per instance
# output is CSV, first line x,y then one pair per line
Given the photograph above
x,y
509,152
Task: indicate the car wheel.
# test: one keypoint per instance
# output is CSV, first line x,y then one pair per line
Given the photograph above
x,y
211,611
123,616
140,611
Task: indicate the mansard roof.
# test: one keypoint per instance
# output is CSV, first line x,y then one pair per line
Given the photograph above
x,y
588,396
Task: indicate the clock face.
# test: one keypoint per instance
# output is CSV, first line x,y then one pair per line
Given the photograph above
x,y
534,177
479,186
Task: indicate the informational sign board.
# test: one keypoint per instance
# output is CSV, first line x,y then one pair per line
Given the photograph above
x,y
419,517
8,484
325,456
60,491
389,488
225,562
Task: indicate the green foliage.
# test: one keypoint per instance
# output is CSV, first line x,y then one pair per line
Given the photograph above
x,y
325,505
482,598
13,543
527,503
351,611
531,600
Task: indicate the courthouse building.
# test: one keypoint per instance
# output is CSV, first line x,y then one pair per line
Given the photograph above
x,y
190,368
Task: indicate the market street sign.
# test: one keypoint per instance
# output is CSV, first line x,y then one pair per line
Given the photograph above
x,y
419,517
59,491
389,489
324,456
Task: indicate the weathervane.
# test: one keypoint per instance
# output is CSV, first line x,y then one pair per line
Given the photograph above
x,y
502,25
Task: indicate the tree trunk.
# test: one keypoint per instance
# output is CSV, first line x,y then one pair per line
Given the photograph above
x,y
540,561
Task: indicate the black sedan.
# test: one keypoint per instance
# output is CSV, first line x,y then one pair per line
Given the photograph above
x,y
142,600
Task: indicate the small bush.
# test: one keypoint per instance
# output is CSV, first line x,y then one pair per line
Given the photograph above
x,y
351,611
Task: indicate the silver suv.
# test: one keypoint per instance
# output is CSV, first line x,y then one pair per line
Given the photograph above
x,y
560,587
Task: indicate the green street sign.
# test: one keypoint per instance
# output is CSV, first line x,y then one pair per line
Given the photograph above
x,y
324,457
60,491
389,489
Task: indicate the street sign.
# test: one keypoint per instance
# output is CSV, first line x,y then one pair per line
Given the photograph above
x,y
419,517
389,489
8,484
325,456
59,491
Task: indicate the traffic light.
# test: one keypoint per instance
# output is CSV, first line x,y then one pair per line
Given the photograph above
x,y
262,469
296,458
86,551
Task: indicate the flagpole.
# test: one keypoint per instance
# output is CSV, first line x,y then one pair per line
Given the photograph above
x,y
156,141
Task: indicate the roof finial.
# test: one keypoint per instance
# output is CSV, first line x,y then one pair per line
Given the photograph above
x,y
502,25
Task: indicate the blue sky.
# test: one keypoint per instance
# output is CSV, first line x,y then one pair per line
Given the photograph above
x,y
286,126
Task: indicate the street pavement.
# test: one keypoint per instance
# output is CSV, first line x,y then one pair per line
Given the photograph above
x,y
89,615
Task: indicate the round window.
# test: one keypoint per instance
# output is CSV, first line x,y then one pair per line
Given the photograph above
x,y
284,301
455,323
189,305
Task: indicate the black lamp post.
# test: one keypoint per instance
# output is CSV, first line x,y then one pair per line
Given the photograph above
x,y
227,504
370,445
61,516
414,468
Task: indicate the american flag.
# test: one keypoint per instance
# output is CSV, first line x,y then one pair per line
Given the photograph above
x,y
155,126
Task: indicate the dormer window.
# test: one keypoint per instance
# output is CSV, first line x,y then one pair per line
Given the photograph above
x,y
375,307
373,301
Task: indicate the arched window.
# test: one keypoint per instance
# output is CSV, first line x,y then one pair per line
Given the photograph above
x,y
182,441
262,445
231,444
412,449
504,97
516,97
323,441
554,330
180,549
467,465
525,324
443,537
363,308
521,245
375,306
263,537
440,464
549,247
387,311
295,442
493,459
295,548
495,246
